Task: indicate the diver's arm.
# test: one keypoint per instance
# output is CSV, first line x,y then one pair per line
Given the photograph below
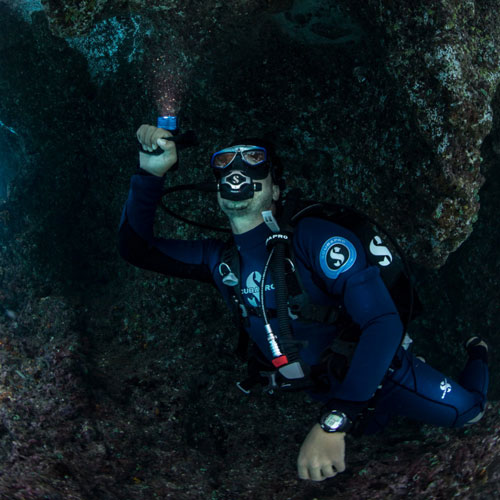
x,y
137,242
322,454
180,259
367,301
370,305
146,188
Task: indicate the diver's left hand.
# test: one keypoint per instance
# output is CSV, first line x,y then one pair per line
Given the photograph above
x,y
322,455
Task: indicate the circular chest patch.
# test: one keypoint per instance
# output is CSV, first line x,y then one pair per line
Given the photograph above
x,y
337,256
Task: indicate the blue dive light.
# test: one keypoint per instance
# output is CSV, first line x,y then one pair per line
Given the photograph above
x,y
184,140
167,123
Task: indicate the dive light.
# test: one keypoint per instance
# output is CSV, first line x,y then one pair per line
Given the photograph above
x,y
167,122
182,140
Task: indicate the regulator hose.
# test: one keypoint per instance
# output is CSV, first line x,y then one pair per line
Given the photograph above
x,y
278,270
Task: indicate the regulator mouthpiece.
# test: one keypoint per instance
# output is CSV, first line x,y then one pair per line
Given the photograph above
x,y
237,186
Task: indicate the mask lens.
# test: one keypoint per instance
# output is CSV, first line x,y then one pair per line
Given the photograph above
x,y
221,160
255,156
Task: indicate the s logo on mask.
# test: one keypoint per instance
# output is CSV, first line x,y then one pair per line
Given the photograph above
x,y
337,256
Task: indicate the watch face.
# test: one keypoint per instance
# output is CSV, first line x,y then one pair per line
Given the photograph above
x,y
334,421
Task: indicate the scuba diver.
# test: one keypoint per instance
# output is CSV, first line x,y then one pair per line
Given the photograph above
x,y
295,291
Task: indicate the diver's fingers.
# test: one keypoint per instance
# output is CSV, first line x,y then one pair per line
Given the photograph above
x,y
150,132
160,133
315,474
327,471
142,135
303,472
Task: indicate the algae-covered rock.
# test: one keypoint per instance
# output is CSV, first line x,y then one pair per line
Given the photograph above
x,y
389,100
118,383
445,58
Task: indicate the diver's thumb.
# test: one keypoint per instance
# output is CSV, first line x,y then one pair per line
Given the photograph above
x,y
162,143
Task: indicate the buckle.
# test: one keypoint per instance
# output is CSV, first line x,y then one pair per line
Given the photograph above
x,y
272,385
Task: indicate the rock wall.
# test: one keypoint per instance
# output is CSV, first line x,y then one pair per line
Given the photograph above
x,y
444,56
381,104
424,73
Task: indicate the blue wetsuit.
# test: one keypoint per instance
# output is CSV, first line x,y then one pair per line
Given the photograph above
x,y
333,268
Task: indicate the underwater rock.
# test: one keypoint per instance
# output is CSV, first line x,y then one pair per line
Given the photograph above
x,y
69,18
445,57
441,60
24,7
116,383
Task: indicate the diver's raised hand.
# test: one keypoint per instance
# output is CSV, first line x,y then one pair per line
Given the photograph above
x,y
322,455
152,138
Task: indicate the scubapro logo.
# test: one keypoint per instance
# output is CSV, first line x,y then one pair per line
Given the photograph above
x,y
253,288
445,386
378,249
337,256
235,179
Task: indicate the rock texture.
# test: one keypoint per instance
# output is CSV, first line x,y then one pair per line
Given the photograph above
x,y
445,57
381,104
441,58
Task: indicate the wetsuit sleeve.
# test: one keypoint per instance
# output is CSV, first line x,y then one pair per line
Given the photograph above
x,y
339,263
368,302
139,246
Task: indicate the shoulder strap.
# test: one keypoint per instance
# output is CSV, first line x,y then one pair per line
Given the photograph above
x,y
229,269
300,303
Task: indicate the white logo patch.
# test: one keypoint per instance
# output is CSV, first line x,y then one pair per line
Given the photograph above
x,y
378,249
253,284
337,257
445,386
253,288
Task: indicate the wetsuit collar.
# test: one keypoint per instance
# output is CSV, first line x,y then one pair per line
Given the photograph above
x,y
253,238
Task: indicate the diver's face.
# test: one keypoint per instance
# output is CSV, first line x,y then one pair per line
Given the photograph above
x,y
252,207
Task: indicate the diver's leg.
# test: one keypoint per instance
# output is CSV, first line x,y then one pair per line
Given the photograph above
x,y
474,376
418,391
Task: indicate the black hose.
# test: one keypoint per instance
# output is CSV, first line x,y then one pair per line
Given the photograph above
x,y
286,339
208,187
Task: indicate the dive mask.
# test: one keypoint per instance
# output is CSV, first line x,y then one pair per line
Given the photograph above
x,y
237,167
254,158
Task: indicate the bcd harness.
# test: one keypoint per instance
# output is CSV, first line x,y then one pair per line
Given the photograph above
x,y
288,371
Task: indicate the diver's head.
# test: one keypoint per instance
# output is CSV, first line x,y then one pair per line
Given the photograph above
x,y
240,166
249,181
